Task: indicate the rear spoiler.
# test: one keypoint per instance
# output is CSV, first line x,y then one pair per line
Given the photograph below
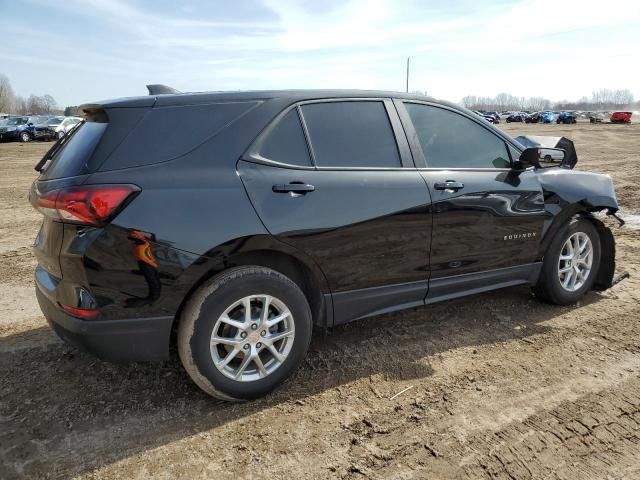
x,y
159,89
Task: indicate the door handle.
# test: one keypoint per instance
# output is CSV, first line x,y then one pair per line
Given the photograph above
x,y
449,185
294,187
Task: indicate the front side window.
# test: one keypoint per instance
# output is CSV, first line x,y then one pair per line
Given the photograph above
x,y
285,143
451,140
352,134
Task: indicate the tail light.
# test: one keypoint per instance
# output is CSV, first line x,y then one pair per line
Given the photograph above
x,y
79,312
91,205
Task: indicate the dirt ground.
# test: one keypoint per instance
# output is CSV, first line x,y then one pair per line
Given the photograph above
x,y
493,386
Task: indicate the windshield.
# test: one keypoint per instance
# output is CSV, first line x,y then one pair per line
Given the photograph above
x,y
54,121
16,121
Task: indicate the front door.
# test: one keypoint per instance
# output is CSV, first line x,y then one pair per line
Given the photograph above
x,y
487,218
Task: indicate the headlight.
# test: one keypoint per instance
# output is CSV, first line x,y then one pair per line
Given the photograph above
x,y
10,129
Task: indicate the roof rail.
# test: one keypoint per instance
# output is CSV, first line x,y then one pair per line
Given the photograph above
x,y
159,89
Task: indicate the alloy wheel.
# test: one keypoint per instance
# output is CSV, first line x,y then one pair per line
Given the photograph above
x,y
575,261
252,338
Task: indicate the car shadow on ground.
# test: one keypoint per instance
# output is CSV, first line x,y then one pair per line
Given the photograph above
x,y
64,407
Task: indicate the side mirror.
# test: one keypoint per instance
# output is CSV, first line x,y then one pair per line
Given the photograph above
x,y
30,124
540,157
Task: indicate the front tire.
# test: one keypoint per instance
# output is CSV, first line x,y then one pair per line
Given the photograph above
x,y
25,137
571,263
244,332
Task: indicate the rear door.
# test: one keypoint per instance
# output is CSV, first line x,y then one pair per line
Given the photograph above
x,y
336,180
487,218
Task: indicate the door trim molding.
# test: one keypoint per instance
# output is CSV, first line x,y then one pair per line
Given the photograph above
x,y
366,302
446,288
353,305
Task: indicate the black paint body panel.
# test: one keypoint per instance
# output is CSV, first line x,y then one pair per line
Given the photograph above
x,y
369,241
363,228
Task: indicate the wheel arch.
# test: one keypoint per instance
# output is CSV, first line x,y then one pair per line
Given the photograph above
x,y
264,251
607,243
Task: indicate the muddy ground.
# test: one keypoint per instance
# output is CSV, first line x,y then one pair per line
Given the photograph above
x,y
494,386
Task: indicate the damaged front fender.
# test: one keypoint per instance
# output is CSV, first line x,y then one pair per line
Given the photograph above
x,y
568,193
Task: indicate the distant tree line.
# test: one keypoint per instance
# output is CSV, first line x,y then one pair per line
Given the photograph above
x,y
603,99
70,111
12,103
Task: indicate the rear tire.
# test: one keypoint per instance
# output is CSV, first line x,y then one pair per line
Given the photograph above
x,y
233,355
569,270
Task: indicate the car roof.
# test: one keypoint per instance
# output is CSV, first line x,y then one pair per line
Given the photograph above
x,y
294,96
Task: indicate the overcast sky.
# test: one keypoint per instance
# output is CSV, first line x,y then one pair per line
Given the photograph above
x,y
83,50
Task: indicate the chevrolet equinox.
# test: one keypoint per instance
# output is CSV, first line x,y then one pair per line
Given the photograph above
x,y
230,224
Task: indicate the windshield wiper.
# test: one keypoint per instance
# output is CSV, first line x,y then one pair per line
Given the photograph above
x,y
55,148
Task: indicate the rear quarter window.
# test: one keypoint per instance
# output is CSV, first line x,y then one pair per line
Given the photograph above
x,y
166,133
285,142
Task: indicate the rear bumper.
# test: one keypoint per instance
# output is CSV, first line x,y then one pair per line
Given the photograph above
x,y
138,339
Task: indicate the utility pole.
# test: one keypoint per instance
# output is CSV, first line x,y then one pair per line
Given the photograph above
x,y
408,59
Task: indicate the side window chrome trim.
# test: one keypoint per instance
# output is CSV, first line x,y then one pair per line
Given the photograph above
x,y
463,169
272,163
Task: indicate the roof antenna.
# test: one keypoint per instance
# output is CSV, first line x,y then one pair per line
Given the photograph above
x,y
408,60
159,89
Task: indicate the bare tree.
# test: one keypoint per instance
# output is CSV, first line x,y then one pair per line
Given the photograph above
x,y
469,101
603,99
7,97
35,104
49,103
70,111
21,107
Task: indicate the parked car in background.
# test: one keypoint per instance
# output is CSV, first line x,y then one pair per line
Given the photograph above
x,y
487,116
46,130
534,117
55,127
495,115
20,127
281,210
547,117
516,117
621,117
566,118
15,128
595,117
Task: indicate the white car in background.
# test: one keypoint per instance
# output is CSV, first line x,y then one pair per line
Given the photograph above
x,y
55,127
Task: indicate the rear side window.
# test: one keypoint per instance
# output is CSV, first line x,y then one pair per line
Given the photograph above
x,y
166,133
451,140
71,160
285,143
351,134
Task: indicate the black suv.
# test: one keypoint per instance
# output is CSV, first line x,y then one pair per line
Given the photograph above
x,y
279,210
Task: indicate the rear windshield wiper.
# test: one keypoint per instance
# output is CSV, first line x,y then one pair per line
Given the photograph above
x,y
55,148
